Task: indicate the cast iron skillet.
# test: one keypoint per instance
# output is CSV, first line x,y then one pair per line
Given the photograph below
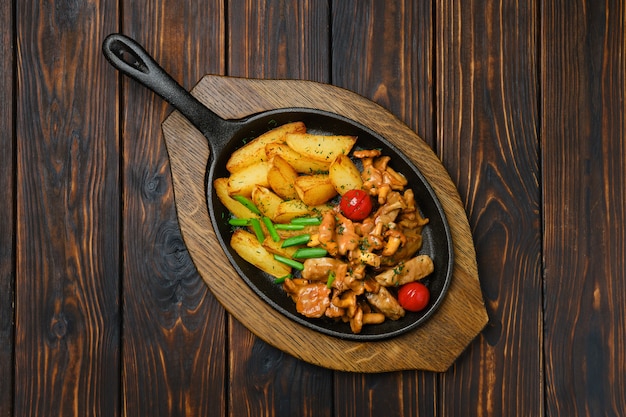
x,y
224,136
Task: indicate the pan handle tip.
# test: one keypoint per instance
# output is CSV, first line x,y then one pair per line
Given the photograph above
x,y
126,55
131,59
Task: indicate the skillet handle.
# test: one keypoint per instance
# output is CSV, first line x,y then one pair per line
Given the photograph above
x,y
130,58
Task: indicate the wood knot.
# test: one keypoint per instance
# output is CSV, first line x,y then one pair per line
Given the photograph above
x,y
154,187
267,359
180,281
59,326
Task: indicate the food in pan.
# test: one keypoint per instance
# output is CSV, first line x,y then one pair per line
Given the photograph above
x,y
335,225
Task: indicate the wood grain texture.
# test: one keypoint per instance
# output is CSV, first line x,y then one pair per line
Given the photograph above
x,y
407,393
67,262
265,381
583,146
487,133
434,345
7,225
383,51
276,39
174,346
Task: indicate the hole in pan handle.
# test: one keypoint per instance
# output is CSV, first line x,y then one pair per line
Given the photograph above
x,y
131,59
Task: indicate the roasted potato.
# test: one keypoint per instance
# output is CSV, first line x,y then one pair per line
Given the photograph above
x,y
265,200
314,189
234,206
249,248
290,209
242,182
281,177
254,151
300,163
321,208
275,247
322,148
344,175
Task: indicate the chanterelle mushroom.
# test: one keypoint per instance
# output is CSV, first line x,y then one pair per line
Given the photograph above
x,y
412,270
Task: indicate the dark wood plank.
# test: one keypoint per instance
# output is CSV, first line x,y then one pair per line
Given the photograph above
x,y
407,393
267,382
7,226
487,121
279,39
68,213
382,50
583,50
488,132
174,330
276,39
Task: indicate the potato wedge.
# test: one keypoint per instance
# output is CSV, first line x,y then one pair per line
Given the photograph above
x,y
322,148
281,177
232,205
321,209
265,200
315,189
299,162
242,182
254,151
344,175
275,247
250,249
289,209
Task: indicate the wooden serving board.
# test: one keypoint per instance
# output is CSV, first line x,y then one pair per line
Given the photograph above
x,y
433,346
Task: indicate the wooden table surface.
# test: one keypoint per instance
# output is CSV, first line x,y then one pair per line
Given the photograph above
x,y
102,312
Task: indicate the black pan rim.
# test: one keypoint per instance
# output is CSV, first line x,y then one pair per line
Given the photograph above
x,y
311,323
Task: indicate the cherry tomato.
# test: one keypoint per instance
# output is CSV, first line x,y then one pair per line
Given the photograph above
x,y
356,204
413,296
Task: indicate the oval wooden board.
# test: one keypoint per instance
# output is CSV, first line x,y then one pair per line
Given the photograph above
x,y
434,346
